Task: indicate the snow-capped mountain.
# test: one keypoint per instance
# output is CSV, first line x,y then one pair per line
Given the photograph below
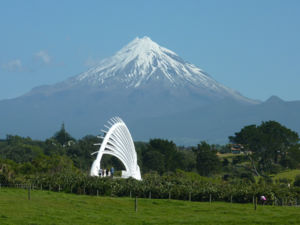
x,y
143,63
153,90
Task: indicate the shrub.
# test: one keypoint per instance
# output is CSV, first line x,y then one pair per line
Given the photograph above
x,y
297,181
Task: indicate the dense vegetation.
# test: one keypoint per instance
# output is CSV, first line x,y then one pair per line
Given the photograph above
x,y
198,172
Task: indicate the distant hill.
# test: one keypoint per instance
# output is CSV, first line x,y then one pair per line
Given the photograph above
x,y
215,122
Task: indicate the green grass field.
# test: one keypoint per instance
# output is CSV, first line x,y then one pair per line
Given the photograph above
x,y
228,155
60,208
289,174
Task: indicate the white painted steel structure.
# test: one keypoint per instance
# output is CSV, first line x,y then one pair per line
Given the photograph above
x,y
117,141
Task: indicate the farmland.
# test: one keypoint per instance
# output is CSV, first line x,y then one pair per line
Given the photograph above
x,y
46,207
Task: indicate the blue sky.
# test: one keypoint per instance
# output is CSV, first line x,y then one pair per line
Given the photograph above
x,y
251,46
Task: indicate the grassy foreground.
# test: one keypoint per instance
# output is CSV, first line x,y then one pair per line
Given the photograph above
x,y
60,208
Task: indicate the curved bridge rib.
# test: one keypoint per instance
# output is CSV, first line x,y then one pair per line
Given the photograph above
x,y
117,141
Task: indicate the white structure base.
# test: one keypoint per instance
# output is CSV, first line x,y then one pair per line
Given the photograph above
x,y
118,142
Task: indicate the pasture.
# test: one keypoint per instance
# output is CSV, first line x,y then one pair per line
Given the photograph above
x,y
46,207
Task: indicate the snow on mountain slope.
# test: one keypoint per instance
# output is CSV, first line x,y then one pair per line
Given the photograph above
x,y
143,63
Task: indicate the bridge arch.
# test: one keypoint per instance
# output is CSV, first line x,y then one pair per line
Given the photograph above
x,y
117,141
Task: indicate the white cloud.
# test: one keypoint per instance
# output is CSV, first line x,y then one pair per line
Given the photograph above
x,y
44,56
13,65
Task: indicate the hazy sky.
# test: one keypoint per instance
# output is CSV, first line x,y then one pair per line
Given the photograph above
x,y
250,46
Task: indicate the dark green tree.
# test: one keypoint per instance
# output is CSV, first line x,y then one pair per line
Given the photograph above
x,y
62,136
154,161
167,155
20,149
297,181
80,152
187,160
268,143
207,161
291,159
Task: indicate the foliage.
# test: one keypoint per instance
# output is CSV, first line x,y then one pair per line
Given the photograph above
x,y
297,181
62,136
207,160
20,149
269,144
292,158
62,163
80,152
162,156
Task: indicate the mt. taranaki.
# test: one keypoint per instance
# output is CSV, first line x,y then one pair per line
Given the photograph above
x,y
156,93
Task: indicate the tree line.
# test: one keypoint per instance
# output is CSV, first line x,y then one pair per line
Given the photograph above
x,y
268,149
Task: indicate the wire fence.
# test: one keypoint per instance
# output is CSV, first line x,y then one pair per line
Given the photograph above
x,y
189,195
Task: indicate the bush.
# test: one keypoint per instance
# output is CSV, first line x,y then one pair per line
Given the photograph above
x,y
248,177
265,180
3,180
275,168
284,180
297,181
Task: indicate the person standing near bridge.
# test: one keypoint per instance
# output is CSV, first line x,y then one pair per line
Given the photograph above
x,y
112,171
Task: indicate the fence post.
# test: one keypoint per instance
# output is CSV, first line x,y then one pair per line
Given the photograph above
x,y
210,198
149,194
135,204
231,199
29,189
130,194
97,192
59,188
